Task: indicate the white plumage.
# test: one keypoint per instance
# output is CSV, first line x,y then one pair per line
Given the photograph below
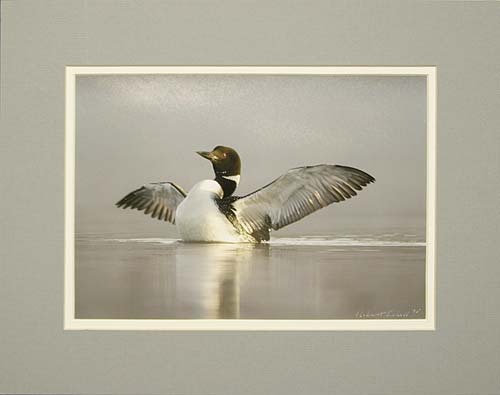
x,y
199,219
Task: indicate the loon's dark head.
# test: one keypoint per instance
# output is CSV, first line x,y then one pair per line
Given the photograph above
x,y
227,167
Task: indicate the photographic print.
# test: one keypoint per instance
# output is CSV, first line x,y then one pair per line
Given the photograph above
x,y
250,198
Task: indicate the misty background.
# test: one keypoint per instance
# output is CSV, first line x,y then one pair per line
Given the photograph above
x,y
135,129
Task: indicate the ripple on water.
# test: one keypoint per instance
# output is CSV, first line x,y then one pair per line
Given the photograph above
x,y
297,241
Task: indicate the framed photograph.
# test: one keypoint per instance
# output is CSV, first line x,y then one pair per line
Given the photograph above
x,y
275,198
242,197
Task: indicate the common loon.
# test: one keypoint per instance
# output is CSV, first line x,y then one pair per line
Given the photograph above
x,y
211,213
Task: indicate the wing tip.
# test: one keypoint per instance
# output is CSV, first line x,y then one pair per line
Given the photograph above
x,y
364,176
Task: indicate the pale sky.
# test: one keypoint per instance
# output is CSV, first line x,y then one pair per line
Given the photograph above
x,y
132,130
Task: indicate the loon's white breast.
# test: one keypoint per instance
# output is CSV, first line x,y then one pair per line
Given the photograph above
x,y
199,219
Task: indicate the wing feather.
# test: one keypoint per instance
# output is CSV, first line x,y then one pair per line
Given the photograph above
x,y
159,199
298,193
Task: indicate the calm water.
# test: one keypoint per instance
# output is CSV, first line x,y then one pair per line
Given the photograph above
x,y
320,277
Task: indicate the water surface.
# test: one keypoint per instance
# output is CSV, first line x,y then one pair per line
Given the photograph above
x,y
308,277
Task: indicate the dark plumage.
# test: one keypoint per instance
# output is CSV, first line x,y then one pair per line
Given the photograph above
x,y
160,199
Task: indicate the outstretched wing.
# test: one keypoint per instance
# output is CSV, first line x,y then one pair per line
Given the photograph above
x,y
160,199
295,194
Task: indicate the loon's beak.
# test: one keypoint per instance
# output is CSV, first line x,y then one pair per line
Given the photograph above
x,y
207,155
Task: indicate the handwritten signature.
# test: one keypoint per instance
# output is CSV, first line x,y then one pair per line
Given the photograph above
x,y
390,314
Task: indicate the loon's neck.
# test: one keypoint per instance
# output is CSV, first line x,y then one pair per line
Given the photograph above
x,y
227,183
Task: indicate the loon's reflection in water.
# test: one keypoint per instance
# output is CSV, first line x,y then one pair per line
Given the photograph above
x,y
292,278
220,270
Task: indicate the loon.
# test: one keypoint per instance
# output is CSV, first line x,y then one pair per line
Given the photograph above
x,y
211,213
